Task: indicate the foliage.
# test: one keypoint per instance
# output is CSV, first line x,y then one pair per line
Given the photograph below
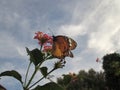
x,y
37,58
111,66
90,80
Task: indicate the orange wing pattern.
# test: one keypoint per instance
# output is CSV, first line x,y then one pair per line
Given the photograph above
x,y
62,46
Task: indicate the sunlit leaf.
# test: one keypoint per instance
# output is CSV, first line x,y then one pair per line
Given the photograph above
x,y
12,73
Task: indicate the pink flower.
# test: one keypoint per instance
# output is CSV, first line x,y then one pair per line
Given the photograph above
x,y
97,60
38,35
48,38
47,48
43,38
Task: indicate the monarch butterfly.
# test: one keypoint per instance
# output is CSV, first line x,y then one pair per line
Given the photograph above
x,y
62,46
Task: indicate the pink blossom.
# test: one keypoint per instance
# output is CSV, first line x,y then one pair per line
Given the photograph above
x,y
39,35
43,38
47,48
97,60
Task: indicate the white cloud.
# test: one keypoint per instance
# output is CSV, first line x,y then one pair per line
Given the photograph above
x,y
105,34
72,30
86,19
108,32
21,51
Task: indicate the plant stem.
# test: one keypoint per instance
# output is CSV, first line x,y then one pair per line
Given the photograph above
x,y
41,78
27,73
36,68
41,47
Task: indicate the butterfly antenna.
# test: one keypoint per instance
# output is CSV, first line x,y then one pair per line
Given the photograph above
x,y
51,31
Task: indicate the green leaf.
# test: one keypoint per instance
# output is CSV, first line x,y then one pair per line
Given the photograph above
x,y
44,71
49,86
12,73
36,56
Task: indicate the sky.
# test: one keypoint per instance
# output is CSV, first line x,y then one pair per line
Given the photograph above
x,y
93,24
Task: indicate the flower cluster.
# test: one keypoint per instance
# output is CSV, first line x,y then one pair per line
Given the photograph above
x,y
47,48
44,40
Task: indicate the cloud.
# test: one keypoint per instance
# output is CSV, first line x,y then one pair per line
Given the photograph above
x,y
106,37
84,19
72,30
103,41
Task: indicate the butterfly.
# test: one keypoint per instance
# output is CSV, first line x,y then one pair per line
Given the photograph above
x,y
62,46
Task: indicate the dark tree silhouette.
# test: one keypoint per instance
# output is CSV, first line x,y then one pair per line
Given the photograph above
x,y
111,66
90,80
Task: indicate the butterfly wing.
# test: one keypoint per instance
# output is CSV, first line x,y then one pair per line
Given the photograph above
x,y
72,44
62,46
56,51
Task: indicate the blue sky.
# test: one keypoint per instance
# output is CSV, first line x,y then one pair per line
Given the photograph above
x,y
93,24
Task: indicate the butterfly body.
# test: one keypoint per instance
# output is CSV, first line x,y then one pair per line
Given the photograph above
x,y
62,46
